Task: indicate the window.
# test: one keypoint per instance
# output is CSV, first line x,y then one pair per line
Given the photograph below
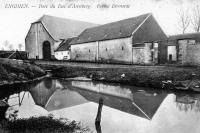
x,y
89,50
142,45
191,42
155,45
106,49
122,48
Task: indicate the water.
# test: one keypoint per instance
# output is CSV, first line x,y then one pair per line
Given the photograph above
x,y
126,109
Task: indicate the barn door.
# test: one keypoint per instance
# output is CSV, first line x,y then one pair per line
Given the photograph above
x,y
138,55
46,50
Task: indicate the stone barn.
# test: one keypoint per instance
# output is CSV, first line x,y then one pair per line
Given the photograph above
x,y
137,40
44,34
184,49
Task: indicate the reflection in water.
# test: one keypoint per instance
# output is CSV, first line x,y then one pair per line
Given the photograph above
x,y
187,103
140,103
126,108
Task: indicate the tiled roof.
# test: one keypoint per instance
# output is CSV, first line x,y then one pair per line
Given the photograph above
x,y
60,28
64,45
114,30
195,36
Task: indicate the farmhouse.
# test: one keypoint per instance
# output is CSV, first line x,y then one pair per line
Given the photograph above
x,y
44,34
137,40
63,50
184,49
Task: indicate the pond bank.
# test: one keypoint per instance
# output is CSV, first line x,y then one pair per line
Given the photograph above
x,y
44,124
144,76
17,71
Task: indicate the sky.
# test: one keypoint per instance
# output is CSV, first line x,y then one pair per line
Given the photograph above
x,y
15,22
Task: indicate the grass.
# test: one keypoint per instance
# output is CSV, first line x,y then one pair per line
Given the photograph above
x,y
42,124
12,70
145,76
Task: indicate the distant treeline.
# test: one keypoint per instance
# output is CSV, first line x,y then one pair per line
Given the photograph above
x,y
15,54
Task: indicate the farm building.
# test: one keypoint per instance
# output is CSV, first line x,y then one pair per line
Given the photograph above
x,y
63,50
137,40
184,49
44,34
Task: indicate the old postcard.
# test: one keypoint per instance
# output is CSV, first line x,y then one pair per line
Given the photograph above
x,y
105,66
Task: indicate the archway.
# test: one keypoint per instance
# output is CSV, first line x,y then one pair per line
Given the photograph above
x,y
46,50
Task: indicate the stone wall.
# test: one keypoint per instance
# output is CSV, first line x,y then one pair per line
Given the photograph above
x,y
34,40
111,51
142,55
189,53
84,52
117,50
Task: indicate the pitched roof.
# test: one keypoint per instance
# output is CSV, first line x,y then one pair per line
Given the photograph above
x,y
195,36
64,45
120,29
142,105
60,28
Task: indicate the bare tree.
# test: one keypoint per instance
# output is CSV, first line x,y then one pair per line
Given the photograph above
x,y
10,47
5,44
184,19
196,18
20,46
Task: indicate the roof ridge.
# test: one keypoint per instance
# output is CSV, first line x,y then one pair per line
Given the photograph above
x,y
125,27
118,21
193,33
61,18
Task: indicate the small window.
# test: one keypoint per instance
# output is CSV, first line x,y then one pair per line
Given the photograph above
x,y
106,49
191,42
122,47
89,50
155,45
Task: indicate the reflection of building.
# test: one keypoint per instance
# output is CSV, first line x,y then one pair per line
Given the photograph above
x,y
44,34
55,95
63,99
104,89
142,104
44,90
188,102
50,95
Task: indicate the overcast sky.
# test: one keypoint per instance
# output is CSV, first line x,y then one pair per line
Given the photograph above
x,y
15,23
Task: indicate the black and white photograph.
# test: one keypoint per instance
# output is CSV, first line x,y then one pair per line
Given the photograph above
x,y
99,66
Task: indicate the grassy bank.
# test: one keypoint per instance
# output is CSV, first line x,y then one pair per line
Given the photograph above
x,y
14,70
42,124
145,76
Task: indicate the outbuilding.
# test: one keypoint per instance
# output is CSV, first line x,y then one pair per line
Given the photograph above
x,y
63,50
44,34
137,40
184,49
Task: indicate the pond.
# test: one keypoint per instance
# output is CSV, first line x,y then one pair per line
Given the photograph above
x,y
126,109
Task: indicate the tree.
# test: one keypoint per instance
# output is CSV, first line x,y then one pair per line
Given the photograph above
x,y
184,19
5,44
20,46
196,18
10,47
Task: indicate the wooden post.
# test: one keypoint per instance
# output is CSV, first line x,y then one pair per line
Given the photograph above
x,y
98,117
